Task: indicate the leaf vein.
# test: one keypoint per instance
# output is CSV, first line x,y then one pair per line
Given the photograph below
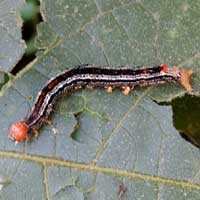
x,y
101,169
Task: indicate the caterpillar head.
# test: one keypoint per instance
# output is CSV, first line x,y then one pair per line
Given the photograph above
x,y
19,132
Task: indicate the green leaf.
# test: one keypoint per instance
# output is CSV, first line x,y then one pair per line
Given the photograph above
x,y
12,47
100,142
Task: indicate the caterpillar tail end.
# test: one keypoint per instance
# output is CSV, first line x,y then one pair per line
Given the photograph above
x,y
185,79
19,132
183,76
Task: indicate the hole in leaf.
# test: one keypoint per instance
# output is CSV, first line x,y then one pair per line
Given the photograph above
x,y
74,134
31,17
186,115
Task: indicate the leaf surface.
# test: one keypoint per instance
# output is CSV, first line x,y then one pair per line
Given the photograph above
x,y
100,142
12,47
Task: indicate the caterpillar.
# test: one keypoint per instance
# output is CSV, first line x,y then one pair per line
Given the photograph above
x,y
93,76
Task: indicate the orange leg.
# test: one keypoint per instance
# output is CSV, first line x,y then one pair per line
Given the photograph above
x,y
36,133
90,87
109,89
132,88
78,87
27,138
143,84
47,121
126,90
65,92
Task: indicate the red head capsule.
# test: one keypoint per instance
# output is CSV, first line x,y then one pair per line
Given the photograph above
x,y
19,132
164,68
